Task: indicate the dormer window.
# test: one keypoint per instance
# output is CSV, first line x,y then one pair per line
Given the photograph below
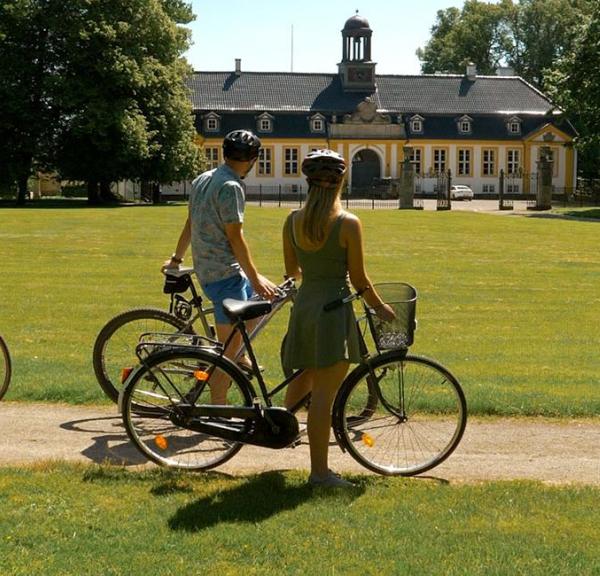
x,y
317,123
416,124
514,125
264,123
212,122
465,125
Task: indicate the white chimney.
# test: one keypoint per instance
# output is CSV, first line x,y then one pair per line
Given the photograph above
x,y
505,71
238,66
471,71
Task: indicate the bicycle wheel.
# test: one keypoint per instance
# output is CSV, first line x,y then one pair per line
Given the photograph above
x,y
115,344
157,400
5,368
418,419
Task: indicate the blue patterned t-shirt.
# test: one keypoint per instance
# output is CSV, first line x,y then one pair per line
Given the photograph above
x,y
217,198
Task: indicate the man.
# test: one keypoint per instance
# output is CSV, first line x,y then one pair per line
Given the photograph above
x,y
221,257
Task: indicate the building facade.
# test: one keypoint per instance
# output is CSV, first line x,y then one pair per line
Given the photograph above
x,y
475,126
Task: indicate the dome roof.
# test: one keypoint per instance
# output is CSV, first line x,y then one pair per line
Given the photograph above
x,y
356,23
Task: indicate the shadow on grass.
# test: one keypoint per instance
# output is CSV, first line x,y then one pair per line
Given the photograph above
x,y
255,500
590,215
75,203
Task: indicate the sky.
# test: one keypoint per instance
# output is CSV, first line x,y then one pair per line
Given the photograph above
x,y
260,33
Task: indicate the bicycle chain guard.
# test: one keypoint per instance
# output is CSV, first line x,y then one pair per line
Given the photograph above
x,y
268,427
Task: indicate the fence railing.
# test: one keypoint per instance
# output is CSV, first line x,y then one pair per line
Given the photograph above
x,y
506,189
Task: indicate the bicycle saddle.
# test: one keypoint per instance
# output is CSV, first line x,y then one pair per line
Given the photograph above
x,y
178,272
245,309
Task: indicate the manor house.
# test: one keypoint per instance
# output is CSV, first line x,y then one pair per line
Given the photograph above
x,y
470,124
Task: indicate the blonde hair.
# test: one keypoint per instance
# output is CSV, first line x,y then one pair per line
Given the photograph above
x,y
320,205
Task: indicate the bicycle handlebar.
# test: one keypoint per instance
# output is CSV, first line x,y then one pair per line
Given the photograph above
x,y
341,301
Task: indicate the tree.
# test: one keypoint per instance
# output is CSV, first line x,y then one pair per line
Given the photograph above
x,y
126,112
475,34
95,91
575,87
528,35
540,33
27,112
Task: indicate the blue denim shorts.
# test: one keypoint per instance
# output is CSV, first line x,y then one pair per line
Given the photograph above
x,y
237,287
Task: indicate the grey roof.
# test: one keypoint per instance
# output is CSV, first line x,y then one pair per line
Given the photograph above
x,y
425,94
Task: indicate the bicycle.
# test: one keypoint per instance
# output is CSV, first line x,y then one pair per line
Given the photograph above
x,y
116,341
395,413
5,368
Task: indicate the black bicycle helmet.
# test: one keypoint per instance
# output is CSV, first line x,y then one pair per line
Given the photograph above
x,y
241,145
324,168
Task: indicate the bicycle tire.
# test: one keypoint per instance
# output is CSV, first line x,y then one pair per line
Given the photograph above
x,y
154,396
109,360
418,421
5,368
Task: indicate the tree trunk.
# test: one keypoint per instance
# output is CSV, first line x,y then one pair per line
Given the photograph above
x,y
93,193
22,192
155,193
106,194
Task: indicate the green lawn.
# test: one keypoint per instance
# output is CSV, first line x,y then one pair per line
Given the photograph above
x,y
510,304
75,520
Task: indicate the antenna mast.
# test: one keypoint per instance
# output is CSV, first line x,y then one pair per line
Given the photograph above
x,y
292,51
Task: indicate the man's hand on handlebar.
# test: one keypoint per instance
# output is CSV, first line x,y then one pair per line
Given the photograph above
x,y
170,264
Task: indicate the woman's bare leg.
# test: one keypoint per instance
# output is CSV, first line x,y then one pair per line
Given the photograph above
x,y
326,382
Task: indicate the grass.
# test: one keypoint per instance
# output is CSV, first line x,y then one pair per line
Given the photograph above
x,y
510,304
68,520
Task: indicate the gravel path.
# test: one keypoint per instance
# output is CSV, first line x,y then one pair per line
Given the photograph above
x,y
552,451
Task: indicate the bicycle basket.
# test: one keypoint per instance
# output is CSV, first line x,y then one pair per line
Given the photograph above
x,y
400,332
176,284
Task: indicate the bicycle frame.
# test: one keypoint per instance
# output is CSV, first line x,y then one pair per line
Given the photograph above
x,y
201,313
267,395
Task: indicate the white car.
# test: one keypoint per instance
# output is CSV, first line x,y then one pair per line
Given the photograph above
x,y
460,192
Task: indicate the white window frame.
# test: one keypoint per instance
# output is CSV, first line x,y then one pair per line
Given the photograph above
x,y
212,154
465,164
440,164
317,123
465,125
416,157
513,165
416,126
212,122
264,164
291,161
264,123
488,166
513,126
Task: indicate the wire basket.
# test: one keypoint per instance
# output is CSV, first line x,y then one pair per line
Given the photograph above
x,y
399,333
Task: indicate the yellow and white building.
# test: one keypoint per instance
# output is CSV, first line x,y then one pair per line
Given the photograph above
x,y
475,126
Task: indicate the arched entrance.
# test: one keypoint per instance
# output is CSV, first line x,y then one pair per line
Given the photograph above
x,y
365,167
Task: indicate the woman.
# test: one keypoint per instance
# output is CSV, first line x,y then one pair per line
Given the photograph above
x,y
322,244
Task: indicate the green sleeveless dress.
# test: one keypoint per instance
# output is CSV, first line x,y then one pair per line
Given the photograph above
x,y
315,338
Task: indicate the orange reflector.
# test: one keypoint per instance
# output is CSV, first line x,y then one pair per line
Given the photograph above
x,y
368,440
161,442
125,372
201,375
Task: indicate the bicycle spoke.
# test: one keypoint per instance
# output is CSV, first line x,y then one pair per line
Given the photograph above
x,y
416,423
